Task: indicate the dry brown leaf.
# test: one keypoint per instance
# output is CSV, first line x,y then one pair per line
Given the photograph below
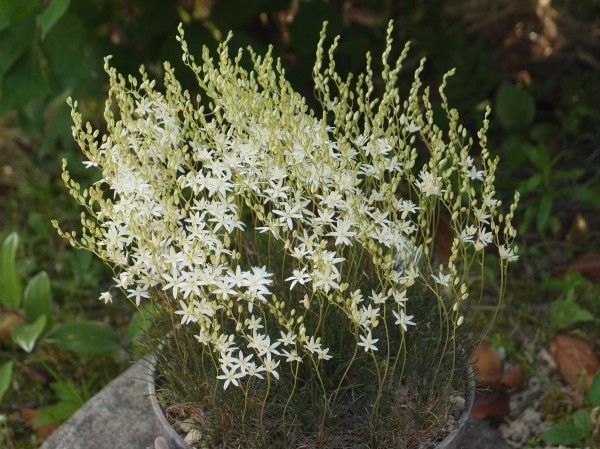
x,y
575,359
514,377
28,416
487,364
588,265
9,319
491,400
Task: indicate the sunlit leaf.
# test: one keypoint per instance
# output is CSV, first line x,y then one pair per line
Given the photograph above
x,y
5,376
26,335
10,283
37,299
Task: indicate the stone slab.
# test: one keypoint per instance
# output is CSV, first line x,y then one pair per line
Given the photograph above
x,y
120,417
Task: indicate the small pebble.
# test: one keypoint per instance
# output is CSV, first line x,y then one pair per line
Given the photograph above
x,y
193,436
186,425
458,402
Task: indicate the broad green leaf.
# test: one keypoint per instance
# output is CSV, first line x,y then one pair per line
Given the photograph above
x,y
24,83
564,432
14,41
512,149
13,11
515,106
73,71
582,421
49,16
26,335
85,337
37,299
564,313
5,376
10,283
594,393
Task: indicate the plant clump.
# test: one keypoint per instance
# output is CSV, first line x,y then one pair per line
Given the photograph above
x,y
291,251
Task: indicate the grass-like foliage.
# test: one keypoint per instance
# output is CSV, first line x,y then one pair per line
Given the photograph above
x,y
291,251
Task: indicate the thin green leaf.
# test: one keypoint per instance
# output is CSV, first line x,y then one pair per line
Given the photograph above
x,y
5,376
49,16
527,219
537,155
37,299
530,183
26,335
543,212
67,392
85,337
10,283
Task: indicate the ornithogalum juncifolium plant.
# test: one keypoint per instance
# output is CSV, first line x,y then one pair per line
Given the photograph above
x,y
292,251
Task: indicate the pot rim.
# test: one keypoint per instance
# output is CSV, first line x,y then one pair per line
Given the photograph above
x,y
175,440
